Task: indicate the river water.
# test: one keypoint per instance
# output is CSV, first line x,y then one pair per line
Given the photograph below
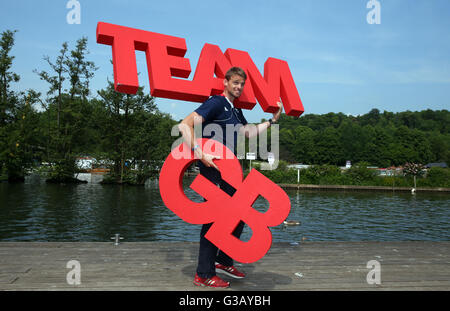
x,y
36,211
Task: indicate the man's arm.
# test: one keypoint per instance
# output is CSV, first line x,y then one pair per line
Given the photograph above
x,y
251,131
186,128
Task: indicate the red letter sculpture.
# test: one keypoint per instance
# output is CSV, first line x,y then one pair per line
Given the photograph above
x,y
223,211
166,64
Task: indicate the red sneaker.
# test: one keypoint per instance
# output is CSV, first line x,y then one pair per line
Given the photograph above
x,y
230,271
214,281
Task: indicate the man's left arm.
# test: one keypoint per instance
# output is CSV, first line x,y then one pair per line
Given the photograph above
x,y
250,130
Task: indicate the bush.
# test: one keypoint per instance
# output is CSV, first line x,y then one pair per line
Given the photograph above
x,y
320,174
288,176
436,177
282,166
63,171
393,181
359,174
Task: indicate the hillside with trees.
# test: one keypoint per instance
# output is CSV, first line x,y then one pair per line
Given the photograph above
x,y
381,139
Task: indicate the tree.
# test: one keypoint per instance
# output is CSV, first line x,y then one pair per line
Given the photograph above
x,y
80,70
135,134
8,98
413,169
287,140
64,135
21,145
14,155
439,144
304,144
351,142
328,147
55,81
381,140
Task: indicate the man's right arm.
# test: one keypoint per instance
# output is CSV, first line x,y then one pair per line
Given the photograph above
x,y
186,128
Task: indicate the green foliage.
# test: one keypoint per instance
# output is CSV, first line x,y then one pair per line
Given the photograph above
x,y
132,129
18,119
279,176
126,131
63,172
359,174
321,175
8,98
67,110
380,139
436,176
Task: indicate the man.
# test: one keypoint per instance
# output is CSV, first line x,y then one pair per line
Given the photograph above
x,y
218,111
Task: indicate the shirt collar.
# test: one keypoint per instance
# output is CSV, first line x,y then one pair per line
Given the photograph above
x,y
232,106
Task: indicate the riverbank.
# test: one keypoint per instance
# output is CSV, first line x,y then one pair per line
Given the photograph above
x,y
143,266
97,178
362,188
328,177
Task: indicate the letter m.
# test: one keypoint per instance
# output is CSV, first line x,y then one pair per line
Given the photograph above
x,y
277,83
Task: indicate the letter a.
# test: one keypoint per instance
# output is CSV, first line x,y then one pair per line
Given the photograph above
x,y
73,276
374,275
74,15
374,16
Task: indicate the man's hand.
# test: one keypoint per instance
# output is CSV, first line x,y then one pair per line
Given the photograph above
x,y
207,159
277,114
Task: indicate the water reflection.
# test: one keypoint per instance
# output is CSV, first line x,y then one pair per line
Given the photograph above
x,y
36,211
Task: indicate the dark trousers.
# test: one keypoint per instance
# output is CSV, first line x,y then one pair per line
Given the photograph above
x,y
209,254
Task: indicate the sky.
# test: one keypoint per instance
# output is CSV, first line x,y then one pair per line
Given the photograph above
x,y
339,62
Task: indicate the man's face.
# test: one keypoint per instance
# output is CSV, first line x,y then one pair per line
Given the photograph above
x,y
234,86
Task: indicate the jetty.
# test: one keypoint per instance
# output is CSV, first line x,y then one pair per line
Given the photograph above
x,y
170,266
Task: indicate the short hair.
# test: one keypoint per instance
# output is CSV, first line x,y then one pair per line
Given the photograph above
x,y
235,71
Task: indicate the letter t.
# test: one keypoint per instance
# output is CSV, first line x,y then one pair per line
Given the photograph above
x,y
124,56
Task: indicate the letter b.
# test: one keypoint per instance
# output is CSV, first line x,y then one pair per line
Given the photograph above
x,y
240,209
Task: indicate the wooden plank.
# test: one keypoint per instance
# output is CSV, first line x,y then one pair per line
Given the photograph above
x,y
171,266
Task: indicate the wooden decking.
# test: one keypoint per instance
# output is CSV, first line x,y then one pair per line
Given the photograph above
x,y
171,266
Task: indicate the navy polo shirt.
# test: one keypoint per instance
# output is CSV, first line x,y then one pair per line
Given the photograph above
x,y
218,112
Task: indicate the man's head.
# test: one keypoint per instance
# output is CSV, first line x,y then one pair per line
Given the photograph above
x,y
235,71
234,82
